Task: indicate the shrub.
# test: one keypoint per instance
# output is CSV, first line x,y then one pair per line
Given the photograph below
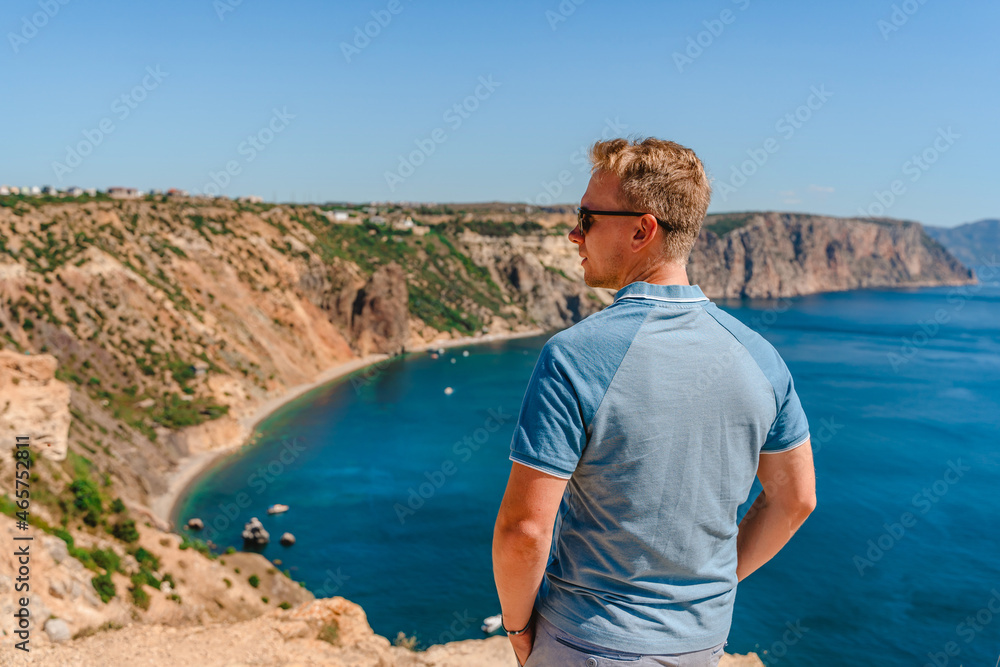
x,y
143,577
117,506
254,580
285,605
64,536
140,597
329,633
104,586
126,531
264,600
148,559
199,545
104,627
106,559
87,499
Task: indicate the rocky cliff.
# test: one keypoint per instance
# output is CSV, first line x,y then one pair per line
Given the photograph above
x,y
33,401
784,254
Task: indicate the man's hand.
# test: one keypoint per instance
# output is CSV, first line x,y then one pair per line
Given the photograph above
x,y
789,496
521,541
522,644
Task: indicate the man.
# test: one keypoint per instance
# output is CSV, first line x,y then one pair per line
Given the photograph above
x,y
639,436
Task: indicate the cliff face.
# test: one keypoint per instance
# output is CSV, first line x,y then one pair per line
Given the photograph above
x,y
542,271
780,255
34,403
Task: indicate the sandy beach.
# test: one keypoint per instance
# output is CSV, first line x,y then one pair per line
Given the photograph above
x,y
190,468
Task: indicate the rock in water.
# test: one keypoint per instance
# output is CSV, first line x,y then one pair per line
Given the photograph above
x,y
195,524
288,539
254,533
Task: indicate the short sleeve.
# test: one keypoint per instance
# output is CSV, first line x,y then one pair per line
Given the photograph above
x,y
550,434
790,428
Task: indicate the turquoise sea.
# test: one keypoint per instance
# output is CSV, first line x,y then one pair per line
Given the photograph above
x,y
394,485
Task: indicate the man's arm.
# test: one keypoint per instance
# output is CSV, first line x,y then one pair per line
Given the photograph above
x,y
789,496
521,542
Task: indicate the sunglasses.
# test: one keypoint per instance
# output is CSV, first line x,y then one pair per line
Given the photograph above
x,y
585,217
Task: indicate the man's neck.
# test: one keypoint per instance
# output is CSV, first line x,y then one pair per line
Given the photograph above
x,y
658,274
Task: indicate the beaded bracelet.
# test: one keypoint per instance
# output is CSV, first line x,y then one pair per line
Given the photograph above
x,y
514,633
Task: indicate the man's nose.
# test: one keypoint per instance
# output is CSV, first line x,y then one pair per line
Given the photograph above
x,y
575,236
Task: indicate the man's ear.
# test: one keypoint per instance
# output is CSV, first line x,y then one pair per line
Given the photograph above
x,y
644,234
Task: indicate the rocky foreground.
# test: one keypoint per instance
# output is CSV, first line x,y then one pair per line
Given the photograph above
x,y
301,636
211,616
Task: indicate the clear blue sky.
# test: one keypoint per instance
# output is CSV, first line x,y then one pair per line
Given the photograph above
x,y
892,92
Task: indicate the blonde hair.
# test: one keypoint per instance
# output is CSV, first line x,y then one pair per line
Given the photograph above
x,y
662,178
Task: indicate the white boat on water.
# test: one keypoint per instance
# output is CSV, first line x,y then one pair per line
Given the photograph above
x,y
277,508
492,623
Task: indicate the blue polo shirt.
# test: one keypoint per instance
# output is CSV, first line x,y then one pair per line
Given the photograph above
x,y
656,409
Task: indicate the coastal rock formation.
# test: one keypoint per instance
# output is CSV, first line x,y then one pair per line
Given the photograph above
x,y
254,533
541,271
287,539
34,403
380,313
766,255
785,254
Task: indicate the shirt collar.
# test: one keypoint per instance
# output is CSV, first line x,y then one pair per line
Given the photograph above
x,y
674,293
